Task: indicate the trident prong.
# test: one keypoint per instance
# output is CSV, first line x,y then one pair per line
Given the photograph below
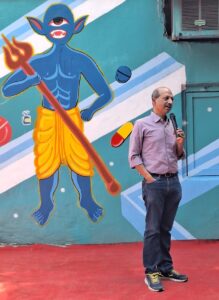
x,y
16,53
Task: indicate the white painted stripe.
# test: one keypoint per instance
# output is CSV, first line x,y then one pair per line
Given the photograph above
x,y
16,157
15,142
132,189
176,226
204,166
149,64
210,163
89,7
183,231
17,172
137,207
204,151
140,197
95,8
21,21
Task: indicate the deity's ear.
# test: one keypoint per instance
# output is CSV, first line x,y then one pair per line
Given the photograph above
x,y
36,24
79,24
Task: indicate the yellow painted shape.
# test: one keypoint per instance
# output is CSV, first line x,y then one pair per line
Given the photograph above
x,y
125,129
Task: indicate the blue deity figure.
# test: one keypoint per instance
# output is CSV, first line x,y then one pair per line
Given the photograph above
x,y
61,68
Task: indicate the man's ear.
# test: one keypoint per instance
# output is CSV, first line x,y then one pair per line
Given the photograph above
x,y
37,25
79,24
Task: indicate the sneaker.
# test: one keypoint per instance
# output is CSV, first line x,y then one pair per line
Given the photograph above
x,y
153,282
173,275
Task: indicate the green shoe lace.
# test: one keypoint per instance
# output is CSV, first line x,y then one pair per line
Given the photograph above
x,y
154,277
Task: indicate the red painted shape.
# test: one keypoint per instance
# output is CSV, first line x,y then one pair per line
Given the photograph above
x,y
5,131
121,134
117,140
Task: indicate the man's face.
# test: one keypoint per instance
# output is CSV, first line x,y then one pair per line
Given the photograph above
x,y
163,104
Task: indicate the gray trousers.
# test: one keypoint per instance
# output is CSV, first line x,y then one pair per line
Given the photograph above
x,y
161,199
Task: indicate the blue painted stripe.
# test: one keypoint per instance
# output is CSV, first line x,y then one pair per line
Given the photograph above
x,y
134,213
206,157
132,189
177,234
22,28
141,83
194,187
19,148
21,21
16,142
210,147
156,77
150,64
16,157
201,160
150,73
135,73
137,198
136,218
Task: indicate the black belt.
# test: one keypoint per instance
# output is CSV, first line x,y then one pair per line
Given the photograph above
x,y
164,175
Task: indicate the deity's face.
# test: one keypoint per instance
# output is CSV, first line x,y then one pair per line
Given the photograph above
x,y
58,24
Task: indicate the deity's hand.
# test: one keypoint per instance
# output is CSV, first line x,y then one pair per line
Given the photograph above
x,y
86,114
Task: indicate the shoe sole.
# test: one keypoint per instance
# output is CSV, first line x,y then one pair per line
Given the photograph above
x,y
173,279
153,290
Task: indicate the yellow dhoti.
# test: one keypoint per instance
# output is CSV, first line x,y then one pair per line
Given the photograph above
x,y
55,144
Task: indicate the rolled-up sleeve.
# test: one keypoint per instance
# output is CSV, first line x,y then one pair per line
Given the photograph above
x,y
135,146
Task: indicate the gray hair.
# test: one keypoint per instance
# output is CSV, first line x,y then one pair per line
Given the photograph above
x,y
155,94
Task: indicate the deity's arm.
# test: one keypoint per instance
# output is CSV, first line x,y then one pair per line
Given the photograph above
x,y
18,82
96,80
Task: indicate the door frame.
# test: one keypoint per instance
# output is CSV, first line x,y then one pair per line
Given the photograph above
x,y
187,90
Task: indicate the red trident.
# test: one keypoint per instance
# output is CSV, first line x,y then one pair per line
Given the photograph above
x,y
17,55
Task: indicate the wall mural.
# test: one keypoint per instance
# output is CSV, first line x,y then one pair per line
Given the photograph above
x,y
57,74
68,145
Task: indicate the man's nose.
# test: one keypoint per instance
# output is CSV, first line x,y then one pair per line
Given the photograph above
x,y
170,101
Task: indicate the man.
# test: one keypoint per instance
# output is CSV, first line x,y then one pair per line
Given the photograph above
x,y
61,69
153,152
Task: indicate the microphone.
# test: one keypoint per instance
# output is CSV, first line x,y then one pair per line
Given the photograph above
x,y
173,120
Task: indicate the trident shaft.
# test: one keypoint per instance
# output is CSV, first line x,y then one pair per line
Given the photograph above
x,y
17,55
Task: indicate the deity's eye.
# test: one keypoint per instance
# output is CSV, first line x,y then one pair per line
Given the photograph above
x,y
58,21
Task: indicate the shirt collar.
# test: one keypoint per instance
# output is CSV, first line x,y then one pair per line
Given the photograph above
x,y
157,118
